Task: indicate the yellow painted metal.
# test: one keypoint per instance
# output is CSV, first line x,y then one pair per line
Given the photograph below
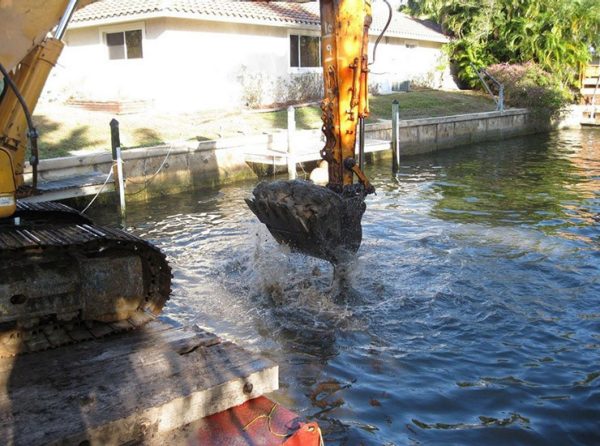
x,y
344,47
24,24
29,77
29,55
7,186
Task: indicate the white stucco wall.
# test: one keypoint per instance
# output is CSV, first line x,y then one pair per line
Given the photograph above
x,y
206,61
84,71
400,60
195,65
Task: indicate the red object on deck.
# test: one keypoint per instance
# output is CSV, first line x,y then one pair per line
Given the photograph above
x,y
309,434
258,422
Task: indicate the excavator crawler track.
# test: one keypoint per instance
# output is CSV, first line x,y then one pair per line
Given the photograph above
x,y
64,280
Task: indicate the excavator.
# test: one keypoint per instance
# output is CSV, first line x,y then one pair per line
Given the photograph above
x,y
64,279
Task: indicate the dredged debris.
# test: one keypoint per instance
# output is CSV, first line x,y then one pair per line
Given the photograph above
x,y
311,219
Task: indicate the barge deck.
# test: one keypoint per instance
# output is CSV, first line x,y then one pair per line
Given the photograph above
x,y
126,388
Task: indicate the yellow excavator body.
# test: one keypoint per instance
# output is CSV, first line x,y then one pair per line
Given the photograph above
x,y
29,78
28,55
8,203
26,23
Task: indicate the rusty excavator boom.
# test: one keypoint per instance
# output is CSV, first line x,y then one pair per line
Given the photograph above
x,y
325,222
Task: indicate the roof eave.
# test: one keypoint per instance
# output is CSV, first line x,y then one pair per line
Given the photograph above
x,y
443,39
107,21
192,16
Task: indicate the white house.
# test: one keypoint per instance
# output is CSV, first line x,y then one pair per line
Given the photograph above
x,y
216,54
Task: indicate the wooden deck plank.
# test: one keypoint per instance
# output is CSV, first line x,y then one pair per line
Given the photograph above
x,y
90,179
76,186
277,158
126,387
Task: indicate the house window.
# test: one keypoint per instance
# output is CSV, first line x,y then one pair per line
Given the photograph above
x,y
305,51
125,44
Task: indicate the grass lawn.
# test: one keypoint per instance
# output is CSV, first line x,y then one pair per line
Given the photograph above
x,y
66,130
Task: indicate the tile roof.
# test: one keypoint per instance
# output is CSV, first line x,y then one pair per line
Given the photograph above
x,y
279,13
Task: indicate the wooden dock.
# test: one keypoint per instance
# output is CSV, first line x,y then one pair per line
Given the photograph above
x,y
590,93
126,388
309,153
71,187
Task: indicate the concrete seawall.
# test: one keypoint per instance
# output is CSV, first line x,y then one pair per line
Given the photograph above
x,y
182,166
420,136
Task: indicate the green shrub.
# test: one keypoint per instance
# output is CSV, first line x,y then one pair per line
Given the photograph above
x,y
252,87
299,88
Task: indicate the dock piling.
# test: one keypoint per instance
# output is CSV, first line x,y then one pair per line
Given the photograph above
x,y
115,140
361,143
395,136
291,129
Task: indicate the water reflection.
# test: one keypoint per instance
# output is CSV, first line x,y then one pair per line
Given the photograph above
x,y
474,317
547,181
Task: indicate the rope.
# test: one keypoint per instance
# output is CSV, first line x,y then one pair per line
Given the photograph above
x,y
303,171
269,418
146,182
101,189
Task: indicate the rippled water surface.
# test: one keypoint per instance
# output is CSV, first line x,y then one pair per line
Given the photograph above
x,y
474,316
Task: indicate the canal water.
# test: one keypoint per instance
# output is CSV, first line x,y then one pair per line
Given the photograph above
x,y
474,313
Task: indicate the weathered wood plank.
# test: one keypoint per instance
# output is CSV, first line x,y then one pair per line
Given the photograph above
x,y
126,387
122,345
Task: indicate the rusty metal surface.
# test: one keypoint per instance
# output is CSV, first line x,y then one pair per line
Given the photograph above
x,y
344,47
57,278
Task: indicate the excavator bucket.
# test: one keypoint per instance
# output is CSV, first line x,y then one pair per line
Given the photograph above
x,y
311,219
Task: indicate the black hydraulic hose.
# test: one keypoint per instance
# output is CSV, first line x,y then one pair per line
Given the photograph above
x,y
361,143
31,131
389,20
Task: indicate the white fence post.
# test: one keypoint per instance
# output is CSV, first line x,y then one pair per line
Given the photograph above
x,y
291,160
118,164
395,136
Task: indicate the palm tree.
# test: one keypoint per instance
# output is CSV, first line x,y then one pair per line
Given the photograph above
x,y
557,34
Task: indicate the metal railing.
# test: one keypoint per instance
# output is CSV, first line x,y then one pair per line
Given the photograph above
x,y
594,94
481,72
